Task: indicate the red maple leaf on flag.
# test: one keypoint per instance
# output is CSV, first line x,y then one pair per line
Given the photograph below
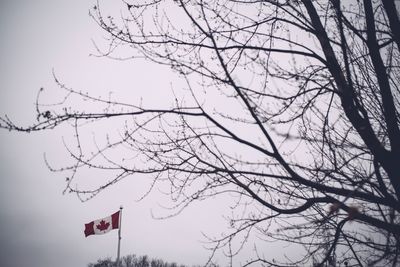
x,y
102,225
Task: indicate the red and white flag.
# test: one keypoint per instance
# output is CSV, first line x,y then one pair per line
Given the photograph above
x,y
102,226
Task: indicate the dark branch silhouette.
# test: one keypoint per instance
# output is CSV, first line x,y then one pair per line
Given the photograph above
x,y
290,107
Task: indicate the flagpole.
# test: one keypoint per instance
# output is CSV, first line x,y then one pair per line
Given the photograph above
x,y
119,235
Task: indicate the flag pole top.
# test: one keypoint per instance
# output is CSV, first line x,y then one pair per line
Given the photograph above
x,y
120,207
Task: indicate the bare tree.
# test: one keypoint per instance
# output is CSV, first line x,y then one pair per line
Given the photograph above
x,y
293,111
134,261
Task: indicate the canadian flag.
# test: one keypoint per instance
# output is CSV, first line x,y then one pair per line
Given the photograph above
x,y
102,226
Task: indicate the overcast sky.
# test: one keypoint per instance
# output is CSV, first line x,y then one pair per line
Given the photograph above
x,y
39,226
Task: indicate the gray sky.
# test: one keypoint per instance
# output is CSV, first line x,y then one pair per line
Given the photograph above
x,y
39,225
